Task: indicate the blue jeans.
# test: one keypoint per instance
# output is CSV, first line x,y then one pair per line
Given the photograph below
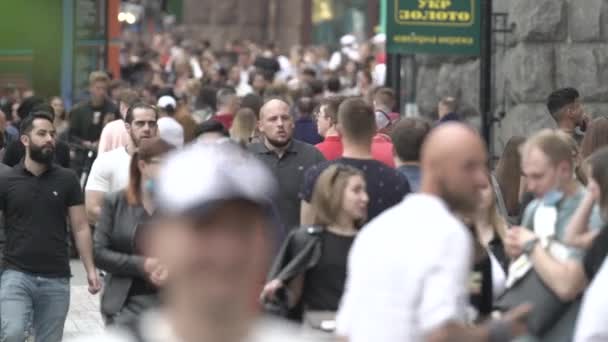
x,y
25,299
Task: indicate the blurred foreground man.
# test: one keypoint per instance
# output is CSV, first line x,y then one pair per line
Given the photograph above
x,y
213,236
419,290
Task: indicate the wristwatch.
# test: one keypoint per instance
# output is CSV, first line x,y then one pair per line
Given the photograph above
x,y
529,246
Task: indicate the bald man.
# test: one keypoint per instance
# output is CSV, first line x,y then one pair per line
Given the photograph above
x,y
286,157
409,268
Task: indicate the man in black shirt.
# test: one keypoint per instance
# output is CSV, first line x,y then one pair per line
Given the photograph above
x,y
88,118
385,186
288,158
15,151
35,197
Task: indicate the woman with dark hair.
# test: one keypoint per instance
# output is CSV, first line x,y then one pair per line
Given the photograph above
x,y
596,137
311,265
508,181
131,280
62,122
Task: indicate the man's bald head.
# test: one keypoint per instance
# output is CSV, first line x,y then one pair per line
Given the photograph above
x,y
454,165
276,123
272,105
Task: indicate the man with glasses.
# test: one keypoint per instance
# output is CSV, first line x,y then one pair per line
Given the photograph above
x,y
110,171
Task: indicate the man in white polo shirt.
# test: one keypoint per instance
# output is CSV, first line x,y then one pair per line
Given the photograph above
x,y
110,171
409,268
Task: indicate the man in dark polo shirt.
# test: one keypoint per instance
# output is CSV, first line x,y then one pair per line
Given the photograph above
x,y
385,185
88,118
286,157
35,197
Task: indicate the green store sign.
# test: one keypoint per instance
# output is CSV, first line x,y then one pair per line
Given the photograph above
x,y
433,26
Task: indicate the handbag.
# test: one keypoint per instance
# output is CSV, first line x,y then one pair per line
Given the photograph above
x,y
526,286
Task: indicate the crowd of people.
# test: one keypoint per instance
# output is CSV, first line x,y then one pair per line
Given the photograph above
x,y
243,195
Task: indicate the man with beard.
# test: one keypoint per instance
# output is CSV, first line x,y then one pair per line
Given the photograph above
x,y
286,157
35,197
409,268
110,171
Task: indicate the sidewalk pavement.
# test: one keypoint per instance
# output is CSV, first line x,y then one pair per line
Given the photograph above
x,y
84,316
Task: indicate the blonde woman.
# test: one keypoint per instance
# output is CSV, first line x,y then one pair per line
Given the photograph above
x,y
311,266
488,278
243,126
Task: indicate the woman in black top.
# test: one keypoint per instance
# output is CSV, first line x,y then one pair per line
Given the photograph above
x,y
488,278
131,280
316,283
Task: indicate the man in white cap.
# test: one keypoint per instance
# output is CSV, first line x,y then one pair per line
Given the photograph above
x,y
213,235
169,129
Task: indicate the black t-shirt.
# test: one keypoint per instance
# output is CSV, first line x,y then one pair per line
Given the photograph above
x,y
596,254
324,283
385,186
481,286
87,121
35,210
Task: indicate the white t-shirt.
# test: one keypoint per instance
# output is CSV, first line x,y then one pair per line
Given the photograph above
x,y
110,171
408,273
155,328
591,323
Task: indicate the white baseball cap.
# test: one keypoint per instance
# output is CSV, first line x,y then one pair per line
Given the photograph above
x,y
193,180
166,101
171,131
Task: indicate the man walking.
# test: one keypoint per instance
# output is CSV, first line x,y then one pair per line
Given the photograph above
x,y
286,157
110,171
35,197
408,269
567,110
385,185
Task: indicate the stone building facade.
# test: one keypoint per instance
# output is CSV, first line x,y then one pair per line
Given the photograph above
x,y
278,21
553,44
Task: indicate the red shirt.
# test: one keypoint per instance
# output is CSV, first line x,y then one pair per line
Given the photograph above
x,y
225,119
382,149
331,147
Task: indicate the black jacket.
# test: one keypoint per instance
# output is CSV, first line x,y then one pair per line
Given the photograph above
x,y
114,250
300,252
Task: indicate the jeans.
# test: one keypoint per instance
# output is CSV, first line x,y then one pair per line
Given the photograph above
x,y
25,299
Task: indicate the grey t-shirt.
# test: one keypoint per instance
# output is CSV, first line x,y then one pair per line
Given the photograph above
x,y
566,209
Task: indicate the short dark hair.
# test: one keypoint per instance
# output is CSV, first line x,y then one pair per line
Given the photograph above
x,y
211,126
129,117
559,99
332,104
333,84
408,135
357,120
308,71
224,95
385,96
28,104
27,124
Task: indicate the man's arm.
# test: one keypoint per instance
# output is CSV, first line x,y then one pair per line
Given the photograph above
x,y
97,186
94,201
565,278
84,244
